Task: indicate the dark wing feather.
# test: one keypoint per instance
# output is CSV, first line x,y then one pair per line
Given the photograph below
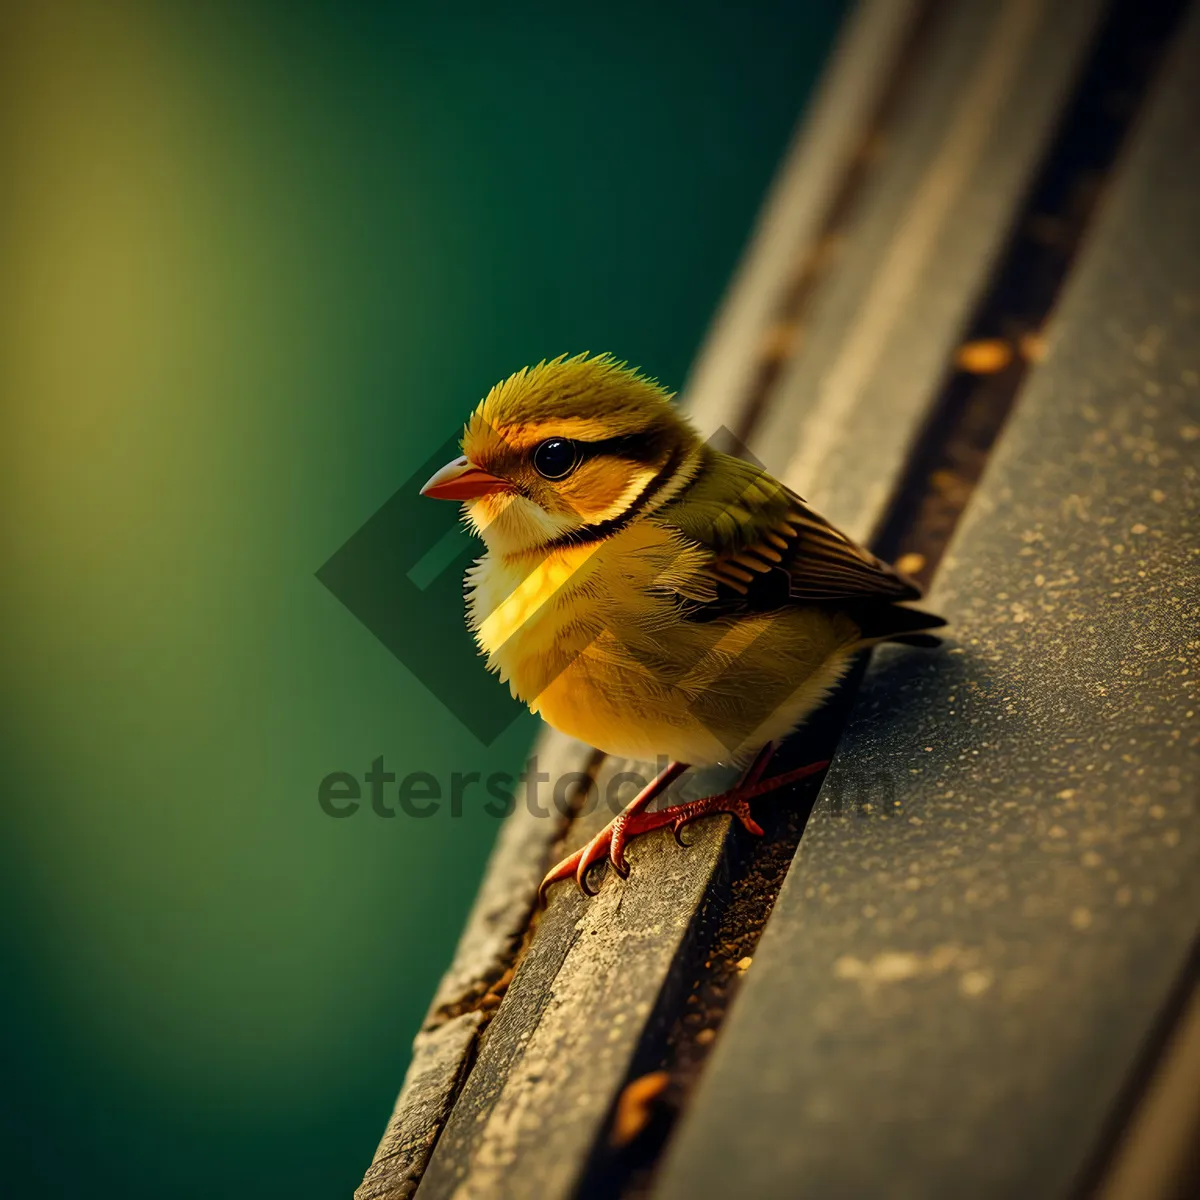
x,y
770,549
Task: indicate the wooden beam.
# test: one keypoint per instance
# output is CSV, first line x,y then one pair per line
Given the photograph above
x,y
957,990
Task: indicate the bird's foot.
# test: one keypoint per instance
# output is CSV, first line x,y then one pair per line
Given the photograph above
x,y
609,844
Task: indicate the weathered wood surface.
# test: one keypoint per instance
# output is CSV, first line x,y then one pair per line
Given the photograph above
x,y
500,914
753,328
966,140
440,1058
445,1047
566,1037
955,991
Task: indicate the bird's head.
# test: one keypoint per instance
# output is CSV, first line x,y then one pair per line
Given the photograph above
x,y
565,453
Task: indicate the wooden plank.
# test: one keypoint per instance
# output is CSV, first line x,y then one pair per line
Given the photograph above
x,y
1157,1157
487,948
955,991
993,78
568,1032
500,915
440,1058
798,210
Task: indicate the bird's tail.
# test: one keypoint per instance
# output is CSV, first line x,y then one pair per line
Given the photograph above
x,y
879,622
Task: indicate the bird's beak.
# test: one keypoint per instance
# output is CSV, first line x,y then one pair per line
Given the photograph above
x,y
462,480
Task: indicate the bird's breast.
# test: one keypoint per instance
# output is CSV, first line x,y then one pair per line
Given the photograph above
x,y
529,616
534,616
512,600
591,637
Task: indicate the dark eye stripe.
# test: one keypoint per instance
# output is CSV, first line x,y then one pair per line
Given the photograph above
x,y
555,458
644,447
605,529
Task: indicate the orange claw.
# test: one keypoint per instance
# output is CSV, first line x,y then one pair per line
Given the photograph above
x,y
610,843
593,852
612,837
564,870
611,840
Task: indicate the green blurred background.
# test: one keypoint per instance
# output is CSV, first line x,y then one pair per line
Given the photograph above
x,y
260,260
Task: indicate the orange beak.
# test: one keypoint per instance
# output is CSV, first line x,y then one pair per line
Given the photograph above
x,y
462,480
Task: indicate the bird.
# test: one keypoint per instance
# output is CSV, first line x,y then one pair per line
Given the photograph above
x,y
650,595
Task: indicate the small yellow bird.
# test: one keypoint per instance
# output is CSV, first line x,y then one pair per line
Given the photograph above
x,y
650,595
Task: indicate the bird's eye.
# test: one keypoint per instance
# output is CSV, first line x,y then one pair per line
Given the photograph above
x,y
556,458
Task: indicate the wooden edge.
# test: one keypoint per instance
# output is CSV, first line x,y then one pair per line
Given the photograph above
x,y
1159,1156
966,143
571,1025
487,947
500,915
440,1059
869,1032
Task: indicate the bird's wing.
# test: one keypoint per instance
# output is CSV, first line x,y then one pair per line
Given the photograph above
x,y
769,549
